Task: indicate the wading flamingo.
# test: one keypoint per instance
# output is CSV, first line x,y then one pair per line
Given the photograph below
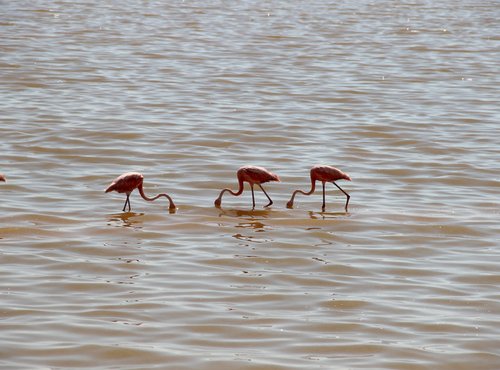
x,y
253,175
324,174
129,181
2,177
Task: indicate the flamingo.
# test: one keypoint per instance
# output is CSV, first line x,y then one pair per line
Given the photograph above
x,y
253,175
2,177
324,174
129,181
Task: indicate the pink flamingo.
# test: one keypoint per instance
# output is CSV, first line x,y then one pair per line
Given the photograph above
x,y
129,181
324,174
2,177
253,175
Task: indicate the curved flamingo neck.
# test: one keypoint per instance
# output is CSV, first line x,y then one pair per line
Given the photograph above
x,y
313,187
240,190
145,197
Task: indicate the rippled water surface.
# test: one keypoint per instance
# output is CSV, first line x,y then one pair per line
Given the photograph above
x,y
402,95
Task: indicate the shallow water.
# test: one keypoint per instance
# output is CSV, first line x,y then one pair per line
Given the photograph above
x,y
403,96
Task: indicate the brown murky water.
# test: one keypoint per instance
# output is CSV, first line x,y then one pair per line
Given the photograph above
x,y
402,95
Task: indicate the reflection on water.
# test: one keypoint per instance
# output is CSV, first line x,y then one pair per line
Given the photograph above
x,y
126,219
242,213
328,215
252,224
251,220
251,238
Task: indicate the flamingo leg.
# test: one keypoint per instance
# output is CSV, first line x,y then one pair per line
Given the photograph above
x,y
324,202
253,197
125,205
270,201
347,195
127,201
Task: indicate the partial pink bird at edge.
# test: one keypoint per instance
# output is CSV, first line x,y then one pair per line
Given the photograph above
x,y
253,175
129,181
324,174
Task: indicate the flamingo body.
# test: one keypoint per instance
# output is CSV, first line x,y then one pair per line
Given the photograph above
x,y
126,183
254,176
324,174
129,181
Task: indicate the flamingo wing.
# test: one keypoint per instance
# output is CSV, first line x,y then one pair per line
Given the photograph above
x,y
125,183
